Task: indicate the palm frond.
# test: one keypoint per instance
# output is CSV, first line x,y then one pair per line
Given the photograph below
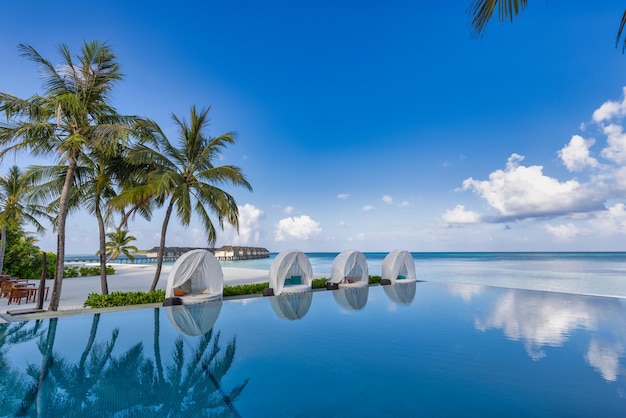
x,y
622,25
481,12
52,79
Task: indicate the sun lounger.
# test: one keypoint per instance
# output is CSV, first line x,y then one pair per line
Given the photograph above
x,y
18,293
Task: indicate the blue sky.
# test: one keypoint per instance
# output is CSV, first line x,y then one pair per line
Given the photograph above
x,y
370,125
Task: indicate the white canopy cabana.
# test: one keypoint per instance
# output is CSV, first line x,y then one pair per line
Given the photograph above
x,y
292,306
399,265
401,292
194,319
350,269
291,272
195,277
352,298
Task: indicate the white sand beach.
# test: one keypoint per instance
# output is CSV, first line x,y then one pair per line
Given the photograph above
x,y
127,278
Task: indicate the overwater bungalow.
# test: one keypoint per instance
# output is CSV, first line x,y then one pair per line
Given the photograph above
x,y
224,253
232,253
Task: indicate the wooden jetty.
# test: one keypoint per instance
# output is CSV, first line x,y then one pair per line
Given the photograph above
x,y
137,260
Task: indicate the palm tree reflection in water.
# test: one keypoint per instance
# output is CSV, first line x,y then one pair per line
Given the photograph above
x,y
130,384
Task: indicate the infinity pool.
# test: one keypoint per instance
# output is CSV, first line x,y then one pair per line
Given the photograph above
x,y
427,349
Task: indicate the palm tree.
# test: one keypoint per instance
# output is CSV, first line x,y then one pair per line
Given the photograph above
x,y
15,188
74,118
119,244
481,13
97,179
97,191
100,189
186,178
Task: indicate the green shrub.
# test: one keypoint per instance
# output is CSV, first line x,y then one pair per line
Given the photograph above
x,y
319,283
70,271
96,300
95,271
374,280
75,271
245,289
84,271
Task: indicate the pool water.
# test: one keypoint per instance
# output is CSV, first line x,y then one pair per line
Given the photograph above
x,y
426,349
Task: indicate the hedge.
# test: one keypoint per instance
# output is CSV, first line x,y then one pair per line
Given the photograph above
x,y
96,300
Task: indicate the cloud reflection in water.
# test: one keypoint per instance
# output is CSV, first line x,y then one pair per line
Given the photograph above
x,y
547,319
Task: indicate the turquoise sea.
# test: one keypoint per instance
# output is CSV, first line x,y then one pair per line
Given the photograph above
x,y
588,273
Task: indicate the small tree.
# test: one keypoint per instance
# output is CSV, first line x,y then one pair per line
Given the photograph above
x,y
15,188
119,243
23,258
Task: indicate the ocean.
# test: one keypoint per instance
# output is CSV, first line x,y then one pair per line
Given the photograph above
x,y
589,273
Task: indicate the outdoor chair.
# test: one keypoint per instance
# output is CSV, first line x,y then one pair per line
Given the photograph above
x,y
5,290
17,294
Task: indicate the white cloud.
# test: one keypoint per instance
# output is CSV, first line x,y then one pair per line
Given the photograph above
x,y
289,210
618,177
607,223
575,155
299,227
387,199
520,192
367,208
404,204
459,215
616,144
563,232
610,222
343,196
343,223
610,109
250,218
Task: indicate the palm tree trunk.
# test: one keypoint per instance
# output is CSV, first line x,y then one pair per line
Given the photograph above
x,y
3,245
92,338
168,213
157,346
103,260
35,392
63,209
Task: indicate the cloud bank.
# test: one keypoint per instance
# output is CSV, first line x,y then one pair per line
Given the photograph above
x,y
586,205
